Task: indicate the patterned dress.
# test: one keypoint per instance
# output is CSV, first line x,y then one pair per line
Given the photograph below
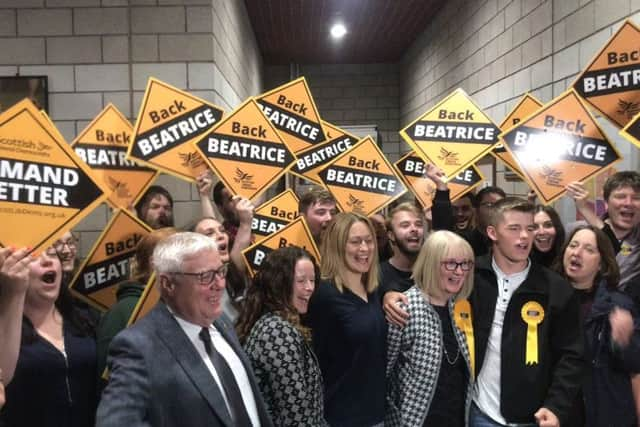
x,y
287,372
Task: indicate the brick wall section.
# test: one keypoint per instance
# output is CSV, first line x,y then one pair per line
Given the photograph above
x,y
352,94
497,50
100,51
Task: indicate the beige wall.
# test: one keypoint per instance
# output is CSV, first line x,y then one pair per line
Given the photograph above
x,y
352,94
101,51
497,50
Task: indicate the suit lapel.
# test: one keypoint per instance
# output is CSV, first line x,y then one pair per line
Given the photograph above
x,y
188,358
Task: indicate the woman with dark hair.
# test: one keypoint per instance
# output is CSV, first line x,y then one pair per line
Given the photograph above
x,y
548,236
348,324
611,343
276,342
48,355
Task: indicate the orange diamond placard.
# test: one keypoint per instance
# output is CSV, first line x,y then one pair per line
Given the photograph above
x,y
631,131
561,142
412,169
293,112
296,233
311,161
103,146
149,298
362,180
274,214
170,120
45,188
453,134
527,105
97,279
246,151
611,82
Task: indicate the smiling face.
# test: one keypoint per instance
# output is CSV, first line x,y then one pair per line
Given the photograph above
x,y
214,229
359,248
304,282
451,281
67,248
623,208
318,216
512,239
581,259
544,233
193,301
463,213
45,276
407,233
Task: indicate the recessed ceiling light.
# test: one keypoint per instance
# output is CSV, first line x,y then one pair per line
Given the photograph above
x,y
338,30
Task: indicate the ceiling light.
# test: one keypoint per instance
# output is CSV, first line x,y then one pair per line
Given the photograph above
x,y
338,30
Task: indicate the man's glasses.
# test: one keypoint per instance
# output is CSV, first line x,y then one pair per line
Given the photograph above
x,y
207,277
453,265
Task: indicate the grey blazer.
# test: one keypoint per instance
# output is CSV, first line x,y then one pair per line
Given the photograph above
x,y
157,378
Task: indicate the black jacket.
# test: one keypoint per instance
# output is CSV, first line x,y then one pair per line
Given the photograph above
x,y
607,387
443,219
554,381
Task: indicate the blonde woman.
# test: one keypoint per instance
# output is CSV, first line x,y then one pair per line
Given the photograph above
x,y
348,326
429,367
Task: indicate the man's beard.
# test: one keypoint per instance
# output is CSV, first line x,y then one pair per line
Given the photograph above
x,y
403,249
162,221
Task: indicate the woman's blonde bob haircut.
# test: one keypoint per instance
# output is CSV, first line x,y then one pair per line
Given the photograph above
x,y
334,242
439,246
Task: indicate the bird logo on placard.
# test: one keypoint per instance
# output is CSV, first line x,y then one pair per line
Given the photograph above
x,y
191,159
244,179
356,204
242,176
449,157
118,187
552,177
628,108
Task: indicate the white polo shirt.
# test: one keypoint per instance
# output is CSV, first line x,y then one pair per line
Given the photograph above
x,y
487,388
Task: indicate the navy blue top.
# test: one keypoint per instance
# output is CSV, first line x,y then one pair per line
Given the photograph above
x,y
350,341
49,391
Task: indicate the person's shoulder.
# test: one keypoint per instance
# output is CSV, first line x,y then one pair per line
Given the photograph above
x,y
555,283
273,331
271,322
144,328
326,289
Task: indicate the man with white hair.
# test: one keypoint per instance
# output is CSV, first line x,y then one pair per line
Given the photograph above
x,y
182,364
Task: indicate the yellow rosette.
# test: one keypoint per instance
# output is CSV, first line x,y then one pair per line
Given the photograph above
x,y
532,314
463,319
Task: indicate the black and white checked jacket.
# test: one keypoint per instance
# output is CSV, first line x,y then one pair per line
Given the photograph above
x,y
413,365
287,372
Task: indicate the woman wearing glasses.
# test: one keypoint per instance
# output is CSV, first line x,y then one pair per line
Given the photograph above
x,y
429,379
47,356
277,344
348,326
67,248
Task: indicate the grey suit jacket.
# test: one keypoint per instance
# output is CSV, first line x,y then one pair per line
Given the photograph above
x,y
157,378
